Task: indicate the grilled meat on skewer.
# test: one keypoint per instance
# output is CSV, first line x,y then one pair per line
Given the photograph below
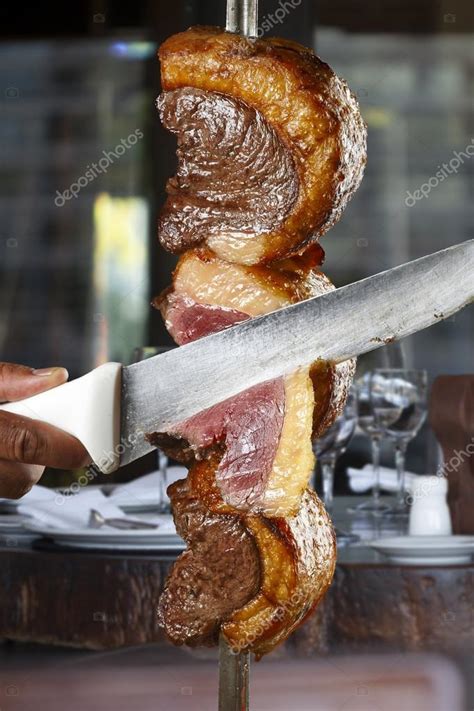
x,y
271,146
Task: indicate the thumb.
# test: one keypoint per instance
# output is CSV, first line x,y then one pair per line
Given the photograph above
x,y
19,381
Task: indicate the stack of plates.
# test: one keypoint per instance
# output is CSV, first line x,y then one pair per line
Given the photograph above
x,y
426,550
13,532
8,506
164,538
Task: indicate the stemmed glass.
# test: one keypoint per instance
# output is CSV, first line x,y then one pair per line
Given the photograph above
x,y
140,354
398,398
333,443
368,424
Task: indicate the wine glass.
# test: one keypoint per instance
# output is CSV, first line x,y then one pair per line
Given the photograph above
x,y
370,427
333,443
392,355
398,398
139,354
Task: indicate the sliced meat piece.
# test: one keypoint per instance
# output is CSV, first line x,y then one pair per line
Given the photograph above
x,y
253,577
201,276
187,320
263,437
271,145
265,432
233,170
218,573
249,427
298,558
331,385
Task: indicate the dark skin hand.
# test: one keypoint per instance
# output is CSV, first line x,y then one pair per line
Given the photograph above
x,y
28,446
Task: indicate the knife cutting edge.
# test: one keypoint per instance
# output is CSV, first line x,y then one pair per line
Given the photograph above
x,y
112,408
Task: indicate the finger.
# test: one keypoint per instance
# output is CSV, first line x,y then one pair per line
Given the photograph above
x,y
19,381
16,479
33,442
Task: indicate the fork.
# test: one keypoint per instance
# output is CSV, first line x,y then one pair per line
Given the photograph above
x,y
97,520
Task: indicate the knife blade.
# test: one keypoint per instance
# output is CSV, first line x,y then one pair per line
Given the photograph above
x,y
347,322
112,408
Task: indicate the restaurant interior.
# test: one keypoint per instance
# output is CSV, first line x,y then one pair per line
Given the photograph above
x,y
84,169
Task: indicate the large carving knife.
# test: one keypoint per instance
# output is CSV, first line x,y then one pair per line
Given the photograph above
x,y
112,407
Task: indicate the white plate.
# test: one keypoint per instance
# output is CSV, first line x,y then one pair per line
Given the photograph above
x,y
426,550
10,522
11,505
130,504
109,538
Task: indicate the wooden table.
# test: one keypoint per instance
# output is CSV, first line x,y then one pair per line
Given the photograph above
x,y
105,601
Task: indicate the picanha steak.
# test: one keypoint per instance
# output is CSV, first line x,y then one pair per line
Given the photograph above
x,y
271,146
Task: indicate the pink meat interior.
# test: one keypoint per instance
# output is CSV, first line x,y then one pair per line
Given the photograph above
x,y
248,424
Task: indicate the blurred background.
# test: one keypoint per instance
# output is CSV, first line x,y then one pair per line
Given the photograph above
x,y
84,162
84,165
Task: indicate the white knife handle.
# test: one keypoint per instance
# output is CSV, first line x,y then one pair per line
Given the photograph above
x,y
87,408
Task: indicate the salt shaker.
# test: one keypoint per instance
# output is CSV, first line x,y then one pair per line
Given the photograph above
x,y
429,513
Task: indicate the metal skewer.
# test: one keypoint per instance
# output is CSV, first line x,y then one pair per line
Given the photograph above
x,y
233,678
241,18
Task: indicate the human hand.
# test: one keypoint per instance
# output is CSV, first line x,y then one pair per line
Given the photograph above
x,y
27,445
